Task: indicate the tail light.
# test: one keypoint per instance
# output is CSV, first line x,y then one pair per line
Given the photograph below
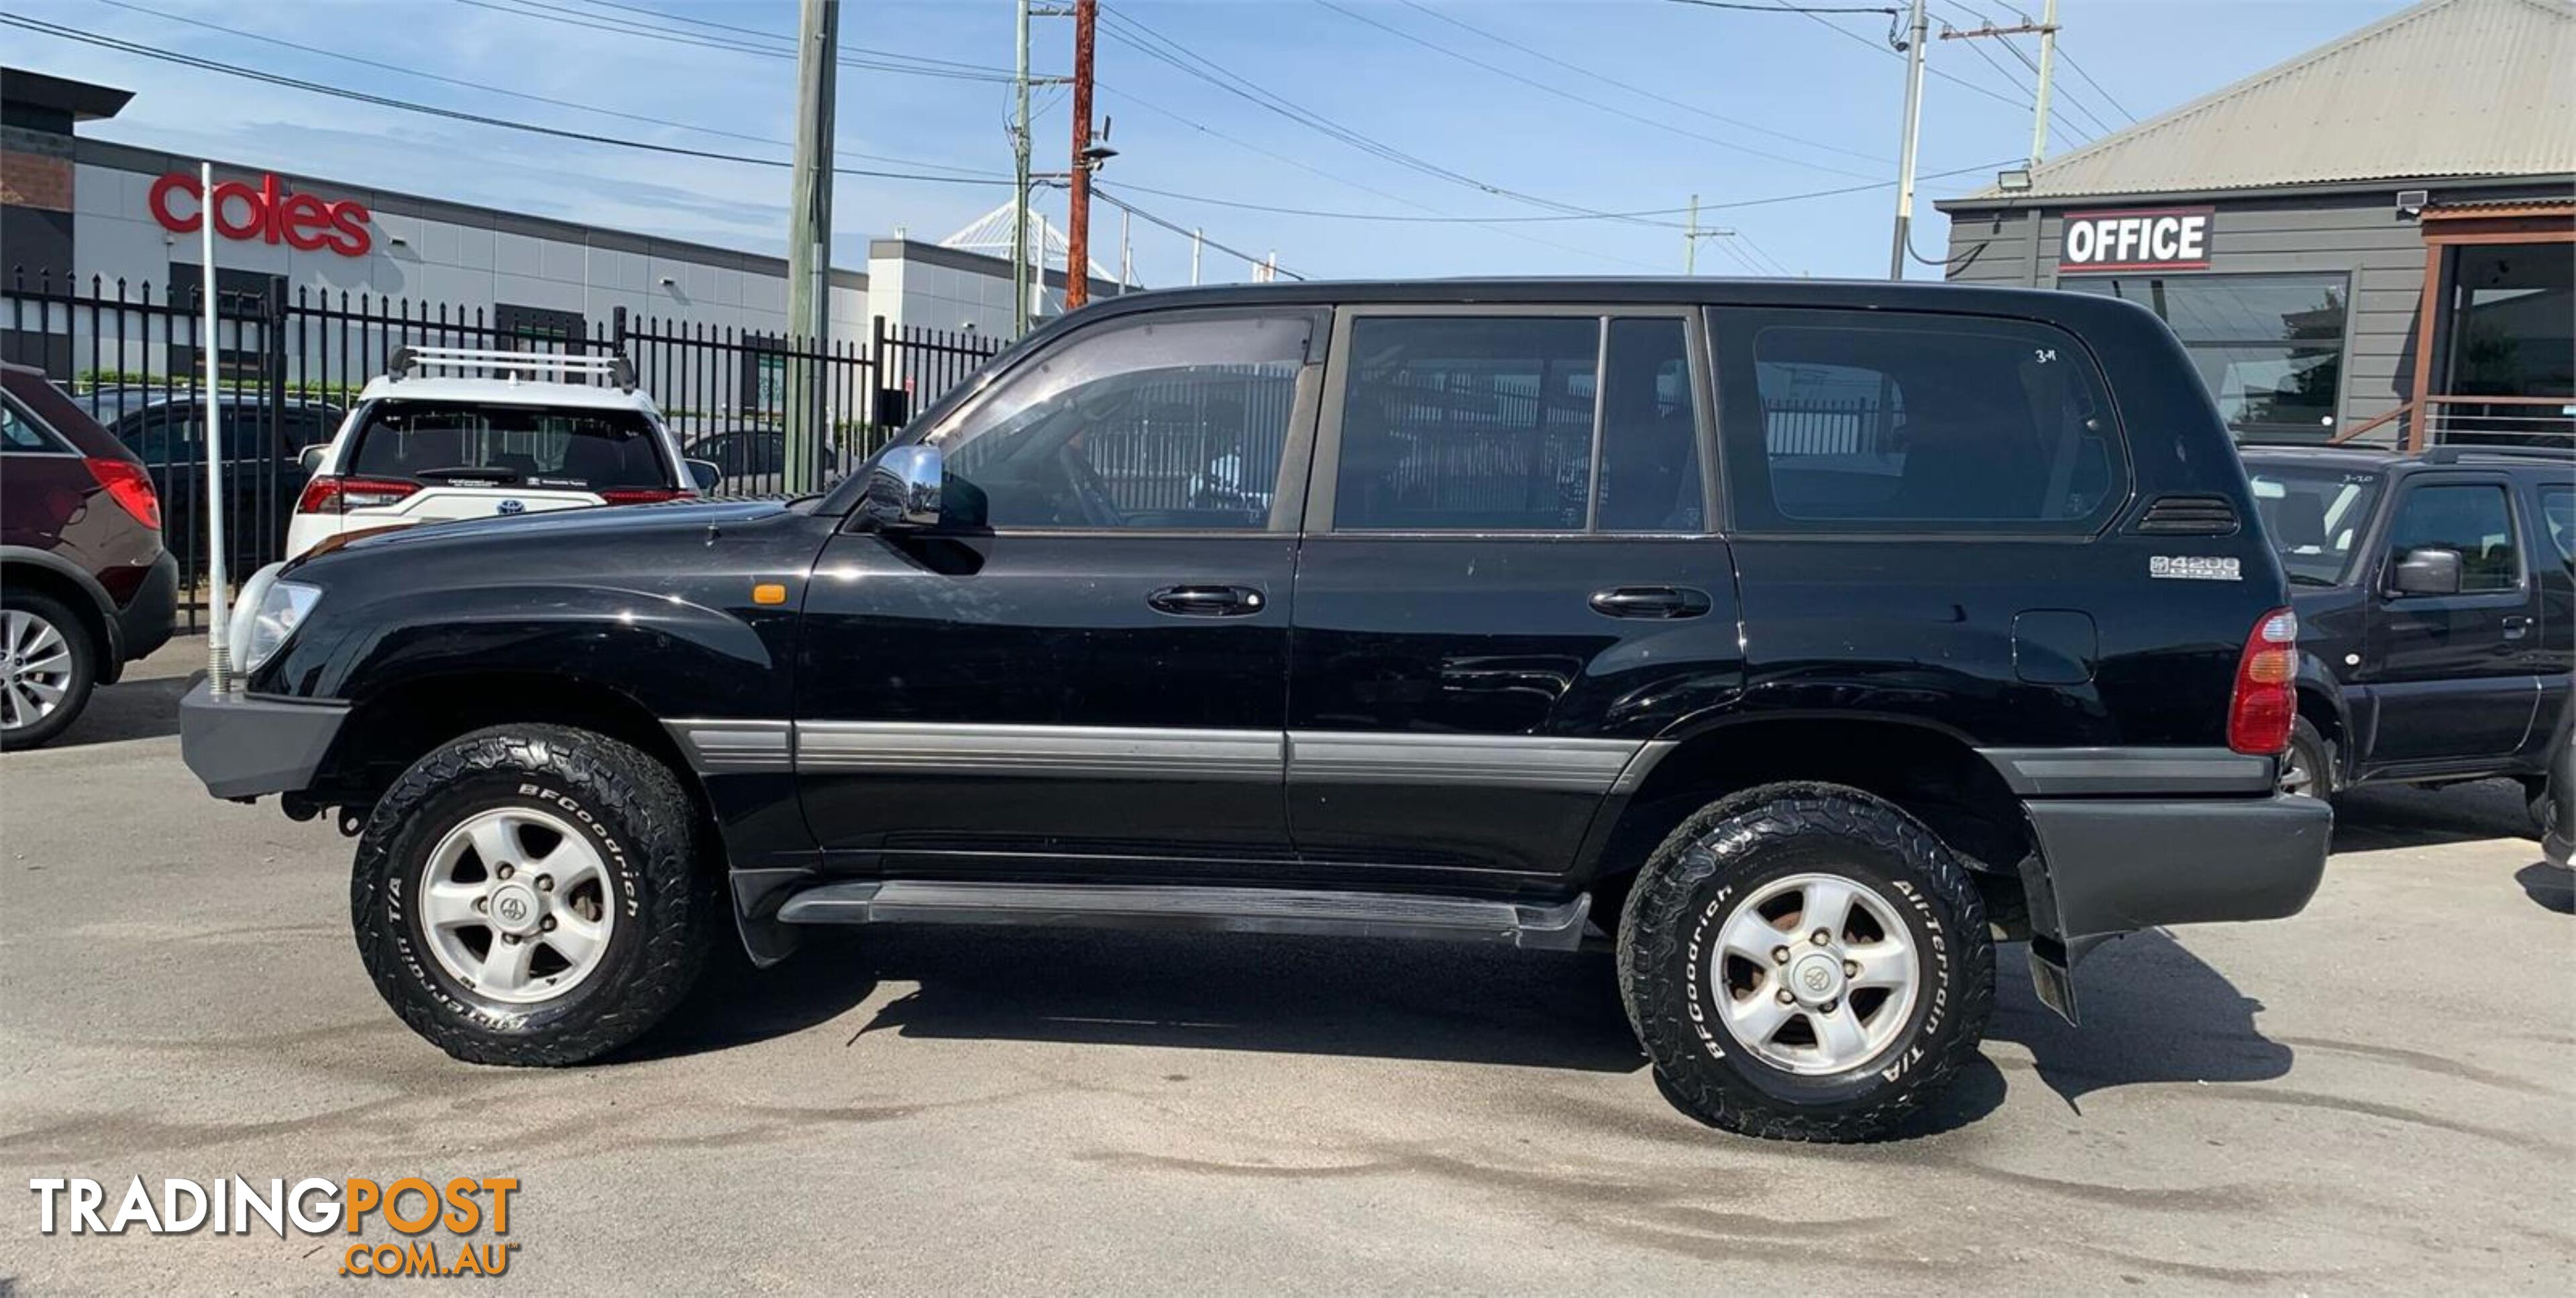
x,y
131,488
639,495
2266,701
327,494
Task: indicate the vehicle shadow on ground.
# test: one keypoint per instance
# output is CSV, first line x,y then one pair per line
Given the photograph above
x,y
2159,1013
1300,995
144,708
2551,887
2375,818
2153,1012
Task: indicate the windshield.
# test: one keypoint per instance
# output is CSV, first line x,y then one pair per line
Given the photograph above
x,y
525,446
2314,515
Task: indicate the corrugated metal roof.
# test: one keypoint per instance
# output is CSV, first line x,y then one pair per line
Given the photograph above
x,y
2447,88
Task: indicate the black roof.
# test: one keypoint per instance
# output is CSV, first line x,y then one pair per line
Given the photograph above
x,y
84,101
1857,294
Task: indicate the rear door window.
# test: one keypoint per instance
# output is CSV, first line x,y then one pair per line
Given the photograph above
x,y
2558,521
1557,423
507,445
1841,421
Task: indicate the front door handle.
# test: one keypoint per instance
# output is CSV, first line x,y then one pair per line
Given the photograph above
x,y
1207,601
1650,601
2516,626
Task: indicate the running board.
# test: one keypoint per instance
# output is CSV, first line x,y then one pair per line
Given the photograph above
x,y
1192,909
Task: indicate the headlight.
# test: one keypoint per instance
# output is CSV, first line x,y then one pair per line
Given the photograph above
x,y
280,608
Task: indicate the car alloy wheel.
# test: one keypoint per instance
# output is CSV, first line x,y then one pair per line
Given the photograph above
x,y
35,669
515,903
1817,973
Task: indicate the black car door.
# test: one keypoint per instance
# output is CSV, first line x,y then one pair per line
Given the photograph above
x,y
2451,672
1084,667
1509,586
2550,509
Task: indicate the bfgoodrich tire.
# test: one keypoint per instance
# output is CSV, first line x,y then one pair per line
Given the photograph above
x,y
530,895
1805,962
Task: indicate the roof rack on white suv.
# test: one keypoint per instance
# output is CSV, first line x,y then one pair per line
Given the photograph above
x,y
554,367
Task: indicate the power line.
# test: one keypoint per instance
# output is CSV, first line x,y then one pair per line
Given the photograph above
x,y
902,65
1632,88
1569,95
1817,16
515,94
1791,9
1644,217
1145,40
480,119
790,40
2115,104
1175,227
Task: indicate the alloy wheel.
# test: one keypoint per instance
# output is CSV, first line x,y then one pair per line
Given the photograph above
x,y
515,903
1815,973
35,669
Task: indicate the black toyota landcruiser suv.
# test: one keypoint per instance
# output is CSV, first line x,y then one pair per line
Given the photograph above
x,y
2436,594
1800,640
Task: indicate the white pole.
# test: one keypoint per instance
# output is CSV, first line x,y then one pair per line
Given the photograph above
x,y
2047,65
1198,242
219,654
1914,52
1126,250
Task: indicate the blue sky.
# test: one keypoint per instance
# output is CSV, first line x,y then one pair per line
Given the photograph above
x,y
1734,106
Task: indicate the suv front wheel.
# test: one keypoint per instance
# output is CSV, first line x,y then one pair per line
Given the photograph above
x,y
530,895
1805,962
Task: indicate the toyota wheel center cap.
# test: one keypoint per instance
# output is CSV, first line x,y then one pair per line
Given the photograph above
x,y
1816,978
515,909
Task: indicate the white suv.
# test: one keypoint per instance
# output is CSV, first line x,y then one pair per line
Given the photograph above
x,y
509,433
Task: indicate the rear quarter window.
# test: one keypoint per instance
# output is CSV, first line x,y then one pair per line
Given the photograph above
x,y
1838,421
528,446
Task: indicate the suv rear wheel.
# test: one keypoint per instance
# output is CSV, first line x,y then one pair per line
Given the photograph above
x,y
48,666
530,895
1805,962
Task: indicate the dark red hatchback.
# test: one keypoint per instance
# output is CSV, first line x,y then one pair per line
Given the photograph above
x,y
85,583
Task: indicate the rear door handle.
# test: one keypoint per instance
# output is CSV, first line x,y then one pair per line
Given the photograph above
x,y
1207,601
1650,601
2515,626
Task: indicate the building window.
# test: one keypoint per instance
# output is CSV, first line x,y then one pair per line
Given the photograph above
x,y
2270,347
2512,334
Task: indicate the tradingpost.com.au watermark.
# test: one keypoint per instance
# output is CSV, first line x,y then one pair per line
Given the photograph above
x,y
450,1228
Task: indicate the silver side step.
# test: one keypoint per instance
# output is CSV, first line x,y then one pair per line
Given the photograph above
x,y
1193,909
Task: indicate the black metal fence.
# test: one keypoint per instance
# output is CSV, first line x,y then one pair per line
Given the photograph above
x,y
290,365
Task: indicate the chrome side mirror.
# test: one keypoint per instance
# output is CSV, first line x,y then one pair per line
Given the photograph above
x,y
902,489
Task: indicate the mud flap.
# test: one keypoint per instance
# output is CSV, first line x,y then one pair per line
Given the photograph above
x,y
2050,979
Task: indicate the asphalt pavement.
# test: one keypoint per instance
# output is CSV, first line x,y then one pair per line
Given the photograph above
x,y
2374,1096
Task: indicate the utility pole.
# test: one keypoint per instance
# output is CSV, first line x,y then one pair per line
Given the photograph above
x,y
1020,185
809,241
1916,31
1126,250
1077,252
2047,64
2046,27
1198,241
1692,234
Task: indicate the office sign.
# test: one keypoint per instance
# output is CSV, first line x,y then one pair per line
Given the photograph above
x,y
2161,238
